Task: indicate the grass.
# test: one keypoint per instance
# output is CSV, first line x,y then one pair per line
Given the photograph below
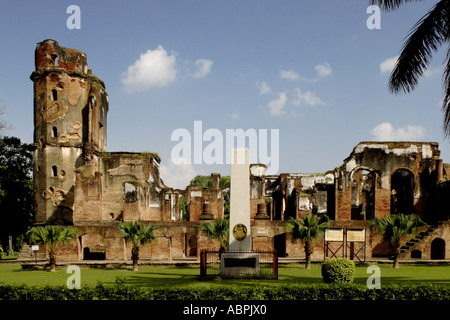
x,y
187,276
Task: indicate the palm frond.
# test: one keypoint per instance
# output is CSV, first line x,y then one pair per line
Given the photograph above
x,y
389,5
446,100
137,233
308,228
426,36
219,230
395,227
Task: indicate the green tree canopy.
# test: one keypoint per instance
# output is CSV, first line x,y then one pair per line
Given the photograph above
x,y
16,190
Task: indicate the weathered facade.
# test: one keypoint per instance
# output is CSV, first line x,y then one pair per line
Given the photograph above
x,y
77,182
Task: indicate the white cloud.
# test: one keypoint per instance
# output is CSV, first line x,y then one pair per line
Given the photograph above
x,y
386,132
234,115
323,70
388,64
308,97
263,87
276,106
203,68
177,176
289,74
155,68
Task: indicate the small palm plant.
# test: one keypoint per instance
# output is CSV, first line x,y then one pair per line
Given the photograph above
x,y
219,230
50,237
137,234
395,228
308,229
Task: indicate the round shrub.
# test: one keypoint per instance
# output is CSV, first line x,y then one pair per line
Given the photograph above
x,y
338,270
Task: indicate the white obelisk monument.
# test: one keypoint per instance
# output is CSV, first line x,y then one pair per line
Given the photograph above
x,y
240,237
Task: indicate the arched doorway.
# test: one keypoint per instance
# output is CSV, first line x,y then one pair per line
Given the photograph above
x,y
402,192
363,194
438,249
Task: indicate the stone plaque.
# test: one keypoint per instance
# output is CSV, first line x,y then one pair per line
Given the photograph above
x,y
334,235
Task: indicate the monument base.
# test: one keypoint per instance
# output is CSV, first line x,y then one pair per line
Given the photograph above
x,y
239,264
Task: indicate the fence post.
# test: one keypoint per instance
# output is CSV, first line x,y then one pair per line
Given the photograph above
x,y
203,263
275,264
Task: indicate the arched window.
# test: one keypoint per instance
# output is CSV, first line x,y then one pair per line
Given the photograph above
x,y
54,171
54,132
55,60
363,194
54,95
402,192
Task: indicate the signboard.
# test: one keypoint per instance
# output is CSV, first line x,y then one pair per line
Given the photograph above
x,y
356,235
35,248
334,235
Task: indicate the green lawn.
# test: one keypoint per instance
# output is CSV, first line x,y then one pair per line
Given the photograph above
x,y
187,276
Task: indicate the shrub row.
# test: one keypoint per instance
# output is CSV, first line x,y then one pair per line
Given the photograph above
x,y
285,292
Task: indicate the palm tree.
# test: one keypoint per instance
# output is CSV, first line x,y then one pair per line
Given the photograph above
x,y
51,237
137,234
308,229
395,228
427,35
219,230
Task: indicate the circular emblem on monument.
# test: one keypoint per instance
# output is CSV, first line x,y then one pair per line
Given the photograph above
x,y
239,232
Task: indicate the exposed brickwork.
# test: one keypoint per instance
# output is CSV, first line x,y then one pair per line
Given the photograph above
x,y
77,182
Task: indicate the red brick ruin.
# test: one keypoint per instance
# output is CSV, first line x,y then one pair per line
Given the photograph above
x,y
77,182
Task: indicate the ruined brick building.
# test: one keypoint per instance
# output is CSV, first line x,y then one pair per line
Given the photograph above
x,y
77,182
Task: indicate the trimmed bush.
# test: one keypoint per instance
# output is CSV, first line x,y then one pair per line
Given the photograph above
x,y
338,270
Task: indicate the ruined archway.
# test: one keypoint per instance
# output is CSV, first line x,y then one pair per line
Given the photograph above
x,y
363,194
402,192
438,249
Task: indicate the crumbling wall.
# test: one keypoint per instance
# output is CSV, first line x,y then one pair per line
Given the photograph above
x,y
63,87
381,160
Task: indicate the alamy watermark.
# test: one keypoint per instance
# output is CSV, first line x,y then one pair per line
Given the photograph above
x,y
374,21
74,20
73,281
192,149
374,281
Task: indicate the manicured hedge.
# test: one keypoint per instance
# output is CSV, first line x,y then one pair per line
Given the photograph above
x,y
285,292
338,270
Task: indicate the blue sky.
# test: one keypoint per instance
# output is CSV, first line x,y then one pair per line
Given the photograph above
x,y
311,69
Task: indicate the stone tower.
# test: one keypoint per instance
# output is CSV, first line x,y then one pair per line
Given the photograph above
x,y
70,112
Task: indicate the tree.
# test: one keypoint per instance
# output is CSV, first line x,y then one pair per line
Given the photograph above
x,y
308,229
137,234
50,237
219,230
395,228
426,36
16,190
201,181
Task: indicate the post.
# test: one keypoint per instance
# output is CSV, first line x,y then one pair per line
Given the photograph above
x,y
203,263
10,253
275,263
